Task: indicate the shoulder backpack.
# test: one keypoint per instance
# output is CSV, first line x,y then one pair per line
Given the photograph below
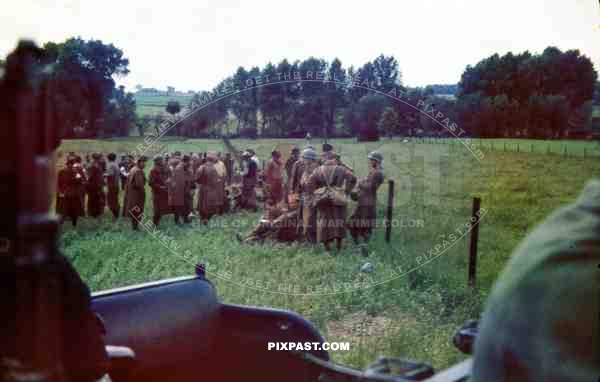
x,y
329,195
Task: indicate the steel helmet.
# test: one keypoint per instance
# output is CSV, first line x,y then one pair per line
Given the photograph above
x,y
375,155
309,154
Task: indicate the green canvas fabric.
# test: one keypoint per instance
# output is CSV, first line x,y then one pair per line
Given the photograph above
x,y
542,319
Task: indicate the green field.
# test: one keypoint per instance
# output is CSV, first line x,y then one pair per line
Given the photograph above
x,y
155,105
413,316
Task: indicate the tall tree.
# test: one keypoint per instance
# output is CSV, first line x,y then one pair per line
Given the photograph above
x,y
386,71
335,95
389,122
312,108
84,72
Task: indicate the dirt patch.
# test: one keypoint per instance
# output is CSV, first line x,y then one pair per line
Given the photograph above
x,y
361,324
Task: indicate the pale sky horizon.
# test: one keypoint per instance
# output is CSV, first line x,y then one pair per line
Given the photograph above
x,y
192,45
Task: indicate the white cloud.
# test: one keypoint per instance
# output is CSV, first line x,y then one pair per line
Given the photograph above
x,y
192,45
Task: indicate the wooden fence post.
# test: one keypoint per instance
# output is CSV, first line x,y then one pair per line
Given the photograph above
x,y
390,207
473,243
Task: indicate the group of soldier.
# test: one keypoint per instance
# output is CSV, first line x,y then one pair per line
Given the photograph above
x,y
298,208
296,192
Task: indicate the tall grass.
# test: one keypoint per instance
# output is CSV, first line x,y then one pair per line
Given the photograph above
x,y
412,316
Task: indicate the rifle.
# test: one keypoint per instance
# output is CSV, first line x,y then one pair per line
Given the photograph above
x,y
233,150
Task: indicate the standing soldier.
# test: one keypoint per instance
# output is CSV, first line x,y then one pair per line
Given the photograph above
x,y
80,186
95,187
249,174
222,171
210,198
172,164
123,168
364,218
300,175
112,185
273,176
129,164
180,181
331,219
70,182
190,187
289,164
160,195
136,192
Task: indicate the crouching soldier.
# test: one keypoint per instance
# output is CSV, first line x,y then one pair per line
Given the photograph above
x,y
277,223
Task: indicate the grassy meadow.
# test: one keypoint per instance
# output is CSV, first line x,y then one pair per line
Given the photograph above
x,y
412,316
155,105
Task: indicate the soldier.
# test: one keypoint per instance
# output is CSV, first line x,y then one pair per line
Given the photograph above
x,y
254,158
289,164
541,318
160,195
172,164
125,172
277,223
181,188
112,185
249,179
69,202
272,176
123,168
190,187
222,171
364,218
331,219
301,172
211,196
136,192
80,186
95,188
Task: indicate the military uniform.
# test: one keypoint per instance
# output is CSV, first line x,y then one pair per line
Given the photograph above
x,y
69,203
136,194
541,322
112,188
273,178
211,195
95,188
331,219
364,217
157,181
180,196
248,197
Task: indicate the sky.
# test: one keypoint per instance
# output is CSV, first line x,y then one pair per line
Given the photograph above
x,y
192,45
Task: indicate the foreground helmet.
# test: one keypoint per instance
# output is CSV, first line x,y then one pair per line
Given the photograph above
x,y
309,154
374,155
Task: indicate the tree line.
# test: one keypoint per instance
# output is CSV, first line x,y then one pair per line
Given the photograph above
x,y
547,95
527,95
